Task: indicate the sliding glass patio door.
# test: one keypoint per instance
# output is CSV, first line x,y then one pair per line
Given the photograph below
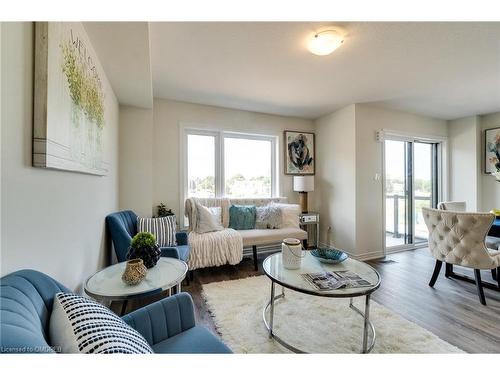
x,y
411,182
425,186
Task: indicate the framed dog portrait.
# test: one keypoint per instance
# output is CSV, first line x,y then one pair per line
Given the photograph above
x,y
300,157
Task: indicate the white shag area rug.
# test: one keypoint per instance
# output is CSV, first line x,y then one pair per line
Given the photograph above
x,y
313,324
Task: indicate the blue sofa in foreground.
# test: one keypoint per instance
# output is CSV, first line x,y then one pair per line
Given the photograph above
x,y
122,226
26,299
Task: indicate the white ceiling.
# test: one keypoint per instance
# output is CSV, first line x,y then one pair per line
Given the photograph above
x,y
443,70
124,53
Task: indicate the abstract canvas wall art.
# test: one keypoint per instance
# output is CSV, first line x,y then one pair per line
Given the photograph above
x,y
69,100
492,150
300,158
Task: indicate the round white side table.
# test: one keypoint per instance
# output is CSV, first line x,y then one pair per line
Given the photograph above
x,y
106,285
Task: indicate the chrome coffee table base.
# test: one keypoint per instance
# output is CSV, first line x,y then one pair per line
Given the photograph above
x,y
368,326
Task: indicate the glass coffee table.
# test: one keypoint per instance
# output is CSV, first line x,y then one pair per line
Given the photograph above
x,y
106,285
292,279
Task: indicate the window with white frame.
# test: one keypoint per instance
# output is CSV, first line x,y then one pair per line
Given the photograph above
x,y
219,163
201,165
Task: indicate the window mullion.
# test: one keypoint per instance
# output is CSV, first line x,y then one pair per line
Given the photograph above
x,y
274,189
220,162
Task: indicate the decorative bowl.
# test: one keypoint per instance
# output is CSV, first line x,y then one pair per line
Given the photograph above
x,y
329,255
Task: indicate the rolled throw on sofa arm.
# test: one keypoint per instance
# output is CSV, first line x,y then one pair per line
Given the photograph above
x,y
163,319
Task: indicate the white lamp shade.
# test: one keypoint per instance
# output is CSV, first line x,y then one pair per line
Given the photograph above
x,y
303,183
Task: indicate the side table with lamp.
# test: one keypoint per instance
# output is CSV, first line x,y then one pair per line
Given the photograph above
x,y
309,221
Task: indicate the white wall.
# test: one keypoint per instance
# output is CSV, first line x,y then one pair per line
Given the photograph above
x,y
354,208
467,177
1,104
136,160
464,137
370,223
52,221
336,178
168,115
490,188
349,198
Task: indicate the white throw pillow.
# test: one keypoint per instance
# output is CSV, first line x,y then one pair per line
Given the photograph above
x,y
268,217
80,325
162,227
289,214
216,213
205,220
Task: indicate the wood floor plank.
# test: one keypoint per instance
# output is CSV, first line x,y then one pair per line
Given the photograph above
x,y
451,310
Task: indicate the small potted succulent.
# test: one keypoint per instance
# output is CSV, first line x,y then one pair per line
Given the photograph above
x,y
144,246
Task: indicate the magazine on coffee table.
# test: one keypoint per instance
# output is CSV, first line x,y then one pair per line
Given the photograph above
x,y
335,280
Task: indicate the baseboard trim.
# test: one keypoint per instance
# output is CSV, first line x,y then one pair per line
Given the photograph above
x,y
367,256
401,249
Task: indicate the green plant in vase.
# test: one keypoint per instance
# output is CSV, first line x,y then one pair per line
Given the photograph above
x,y
163,210
143,246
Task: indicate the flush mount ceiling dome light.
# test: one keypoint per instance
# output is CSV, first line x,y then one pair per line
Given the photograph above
x,y
325,42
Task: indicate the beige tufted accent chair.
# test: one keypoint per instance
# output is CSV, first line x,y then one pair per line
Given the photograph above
x,y
458,238
492,243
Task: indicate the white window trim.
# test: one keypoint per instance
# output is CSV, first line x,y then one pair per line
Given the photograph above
x,y
219,135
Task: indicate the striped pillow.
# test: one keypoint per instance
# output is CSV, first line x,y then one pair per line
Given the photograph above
x,y
162,227
80,325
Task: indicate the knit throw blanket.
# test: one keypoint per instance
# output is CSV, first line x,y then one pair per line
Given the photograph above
x,y
214,248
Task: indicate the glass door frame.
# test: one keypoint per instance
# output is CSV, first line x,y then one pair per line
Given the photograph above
x,y
435,187
439,172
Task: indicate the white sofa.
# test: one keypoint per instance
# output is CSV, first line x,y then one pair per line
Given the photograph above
x,y
251,237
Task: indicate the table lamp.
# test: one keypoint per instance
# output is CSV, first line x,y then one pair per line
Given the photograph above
x,y
303,184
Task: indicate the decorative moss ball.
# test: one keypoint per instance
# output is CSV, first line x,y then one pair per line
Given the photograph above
x,y
144,246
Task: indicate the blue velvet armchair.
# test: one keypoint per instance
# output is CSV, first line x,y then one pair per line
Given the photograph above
x,y
122,226
26,299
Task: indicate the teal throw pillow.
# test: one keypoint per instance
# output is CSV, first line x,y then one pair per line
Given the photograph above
x,y
242,217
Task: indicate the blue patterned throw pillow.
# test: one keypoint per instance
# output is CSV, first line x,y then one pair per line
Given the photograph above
x,y
242,217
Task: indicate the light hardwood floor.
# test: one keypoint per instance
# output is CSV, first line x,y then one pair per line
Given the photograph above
x,y
451,309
